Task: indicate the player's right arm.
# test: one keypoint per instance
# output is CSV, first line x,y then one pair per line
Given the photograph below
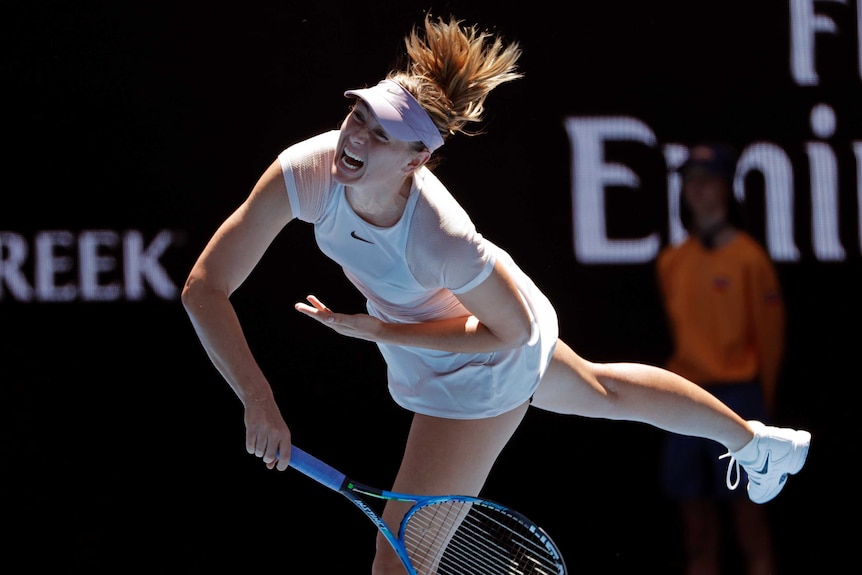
x,y
226,261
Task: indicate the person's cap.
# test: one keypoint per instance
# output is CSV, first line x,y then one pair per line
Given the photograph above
x,y
399,113
710,159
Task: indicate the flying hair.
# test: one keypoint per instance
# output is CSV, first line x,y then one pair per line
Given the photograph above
x,y
452,68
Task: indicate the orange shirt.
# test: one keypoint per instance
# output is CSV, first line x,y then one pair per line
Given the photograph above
x,y
725,311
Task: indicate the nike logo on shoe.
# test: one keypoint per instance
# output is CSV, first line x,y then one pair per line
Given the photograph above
x,y
354,236
765,468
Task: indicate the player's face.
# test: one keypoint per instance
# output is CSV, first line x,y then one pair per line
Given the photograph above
x,y
366,154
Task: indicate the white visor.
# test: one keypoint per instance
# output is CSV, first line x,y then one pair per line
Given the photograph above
x,y
400,114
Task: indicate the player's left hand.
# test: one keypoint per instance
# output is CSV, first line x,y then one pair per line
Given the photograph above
x,y
360,325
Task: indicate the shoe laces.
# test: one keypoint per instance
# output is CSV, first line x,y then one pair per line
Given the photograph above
x,y
731,465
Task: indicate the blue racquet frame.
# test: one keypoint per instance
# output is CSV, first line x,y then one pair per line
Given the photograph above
x,y
332,478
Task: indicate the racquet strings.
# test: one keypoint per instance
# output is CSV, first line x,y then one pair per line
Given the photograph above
x,y
471,538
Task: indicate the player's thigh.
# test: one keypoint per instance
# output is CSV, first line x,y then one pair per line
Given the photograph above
x,y
449,456
570,385
446,456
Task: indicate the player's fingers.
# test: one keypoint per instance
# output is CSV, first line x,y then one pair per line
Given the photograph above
x,y
278,461
283,458
317,303
282,464
319,312
255,445
270,456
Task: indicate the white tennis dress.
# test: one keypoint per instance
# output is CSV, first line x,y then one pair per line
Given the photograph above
x,y
411,272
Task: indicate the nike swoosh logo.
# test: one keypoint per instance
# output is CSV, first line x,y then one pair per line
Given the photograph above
x,y
353,235
765,468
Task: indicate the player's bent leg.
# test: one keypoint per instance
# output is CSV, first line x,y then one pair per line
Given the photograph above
x,y
637,392
653,395
441,457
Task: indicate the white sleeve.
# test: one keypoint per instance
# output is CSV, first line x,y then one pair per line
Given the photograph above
x,y
306,167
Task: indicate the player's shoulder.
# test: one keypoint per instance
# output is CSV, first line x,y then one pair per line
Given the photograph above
x,y
435,201
319,144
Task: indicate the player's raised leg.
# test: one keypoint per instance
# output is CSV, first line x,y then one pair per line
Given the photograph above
x,y
637,392
650,394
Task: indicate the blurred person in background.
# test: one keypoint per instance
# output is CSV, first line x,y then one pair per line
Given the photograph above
x,y
724,306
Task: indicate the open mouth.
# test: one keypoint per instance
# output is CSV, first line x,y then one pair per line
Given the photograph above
x,y
351,161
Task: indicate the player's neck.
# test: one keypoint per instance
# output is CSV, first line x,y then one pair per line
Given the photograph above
x,y
379,206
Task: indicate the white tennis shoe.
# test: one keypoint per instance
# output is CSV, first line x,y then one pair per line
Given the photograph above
x,y
778,452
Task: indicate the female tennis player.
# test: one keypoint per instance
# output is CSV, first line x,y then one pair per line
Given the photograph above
x,y
469,341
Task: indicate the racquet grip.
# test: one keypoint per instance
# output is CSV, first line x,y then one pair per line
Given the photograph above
x,y
316,469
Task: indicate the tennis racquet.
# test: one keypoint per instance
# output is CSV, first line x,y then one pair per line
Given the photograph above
x,y
451,534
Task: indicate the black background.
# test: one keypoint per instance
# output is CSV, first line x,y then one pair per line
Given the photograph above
x,y
123,450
